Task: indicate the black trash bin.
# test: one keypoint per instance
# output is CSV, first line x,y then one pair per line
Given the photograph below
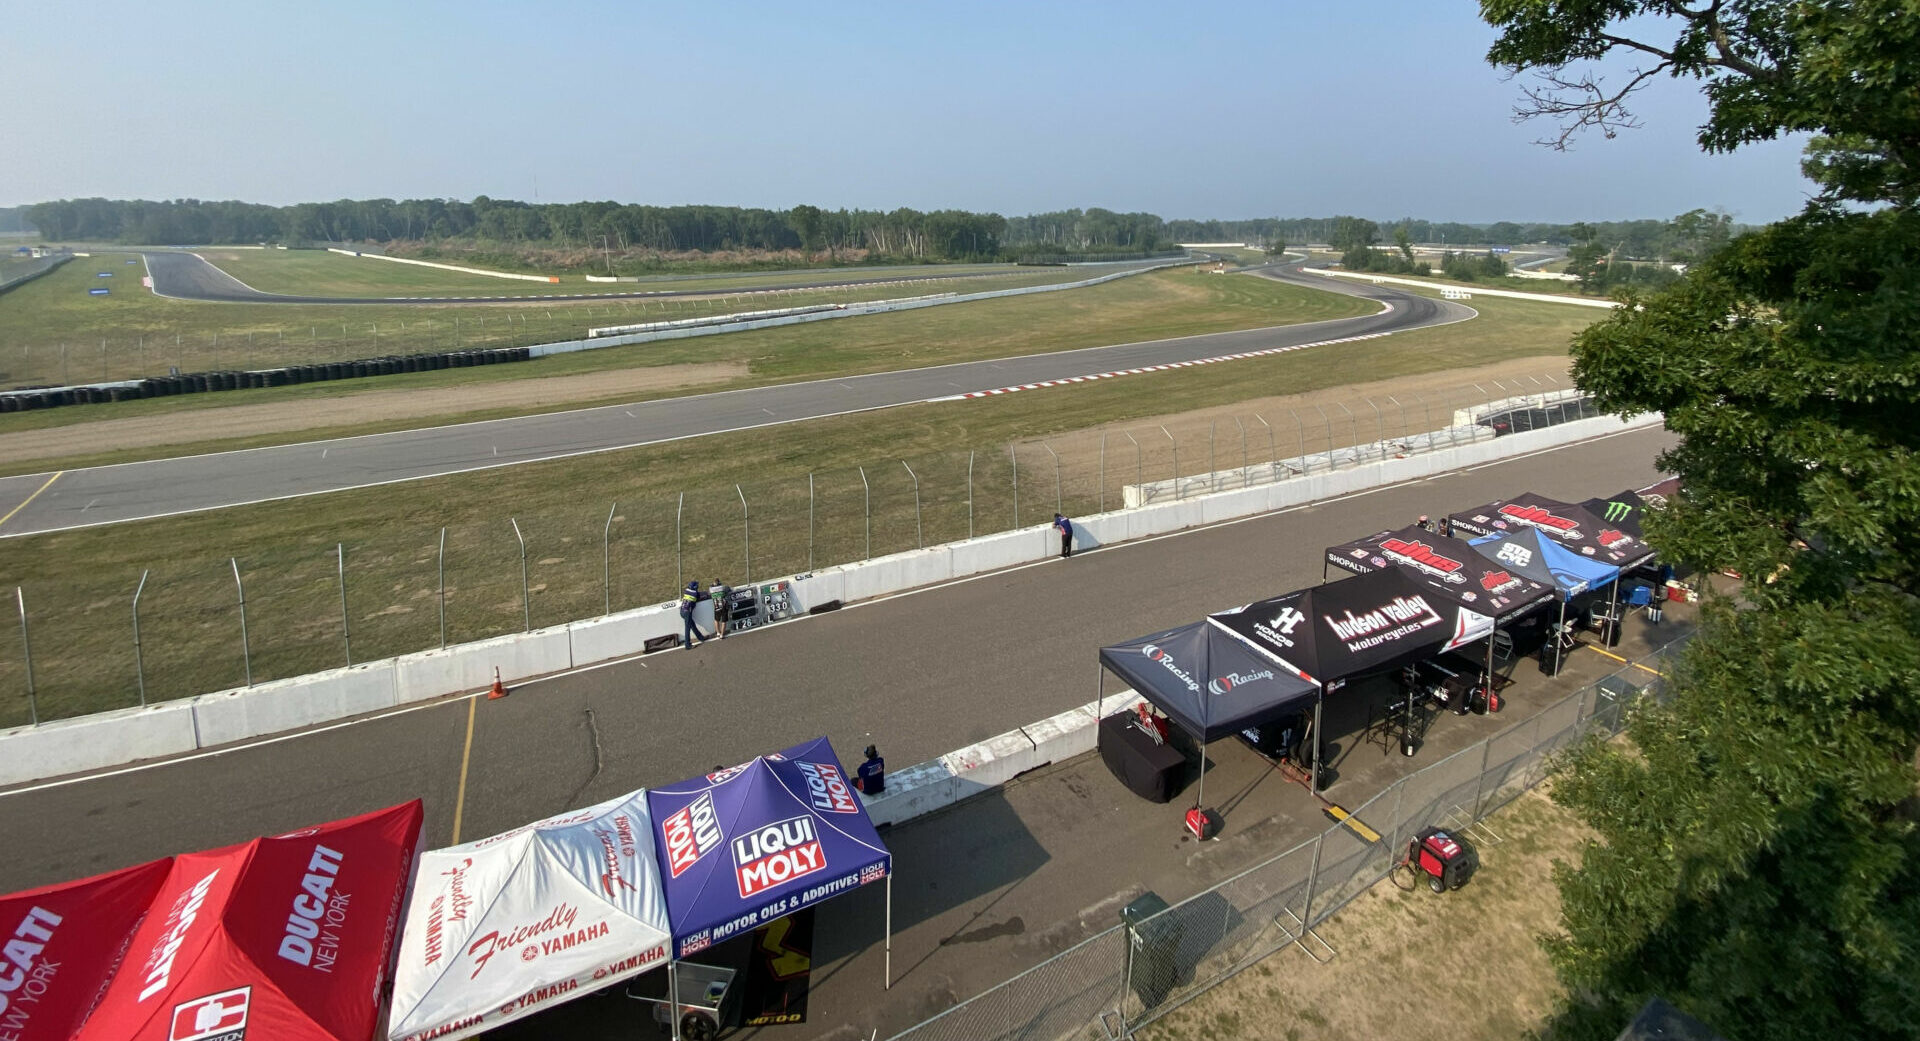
x,y
1153,963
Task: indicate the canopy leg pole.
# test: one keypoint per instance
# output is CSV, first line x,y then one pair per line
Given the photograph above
x,y
889,976
1200,794
1323,571
1488,679
1100,693
1613,612
673,995
1319,743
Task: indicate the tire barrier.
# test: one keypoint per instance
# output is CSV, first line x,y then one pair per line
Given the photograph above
x,y
28,399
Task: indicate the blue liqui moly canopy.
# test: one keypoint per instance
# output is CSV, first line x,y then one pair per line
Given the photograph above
x,y
1528,553
743,846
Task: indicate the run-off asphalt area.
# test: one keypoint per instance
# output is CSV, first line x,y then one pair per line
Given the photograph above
x,y
981,891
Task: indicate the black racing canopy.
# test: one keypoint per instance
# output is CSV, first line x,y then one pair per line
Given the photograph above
x,y
1575,527
1331,633
1207,679
1447,566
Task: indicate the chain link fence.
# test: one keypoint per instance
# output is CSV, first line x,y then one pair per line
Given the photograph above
x,y
195,619
1132,974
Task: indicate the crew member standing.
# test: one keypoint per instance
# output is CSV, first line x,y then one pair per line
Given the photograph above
x,y
871,778
1065,528
722,596
689,598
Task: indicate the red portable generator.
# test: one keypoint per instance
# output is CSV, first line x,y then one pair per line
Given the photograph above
x,y
1446,861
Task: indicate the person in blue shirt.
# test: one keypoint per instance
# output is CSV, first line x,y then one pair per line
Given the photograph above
x,y
871,778
689,598
1065,528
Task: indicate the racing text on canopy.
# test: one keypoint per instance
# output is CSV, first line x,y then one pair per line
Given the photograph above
x,y
743,846
286,938
1448,566
521,921
1332,633
1209,680
1573,526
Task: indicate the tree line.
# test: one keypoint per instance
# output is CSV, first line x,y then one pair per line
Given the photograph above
x,y
901,233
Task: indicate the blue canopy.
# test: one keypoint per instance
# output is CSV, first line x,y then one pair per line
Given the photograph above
x,y
1527,553
743,846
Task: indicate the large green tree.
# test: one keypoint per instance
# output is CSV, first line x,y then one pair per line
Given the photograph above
x,y
1757,860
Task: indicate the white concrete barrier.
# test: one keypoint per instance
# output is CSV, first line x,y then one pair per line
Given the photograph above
x,y
291,704
112,738
469,666
1548,298
549,279
966,772
95,742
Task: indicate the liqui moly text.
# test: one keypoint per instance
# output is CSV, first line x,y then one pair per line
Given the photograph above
x,y
775,854
691,833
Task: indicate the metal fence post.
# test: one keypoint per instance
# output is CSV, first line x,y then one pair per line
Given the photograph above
x,y
606,563
346,629
526,602
246,649
1329,425
809,520
919,533
1139,475
1243,450
1176,462
1353,423
443,589
1313,879
869,512
1059,503
26,648
1103,471
746,532
969,494
1379,427
1403,414
1480,786
139,667
1273,452
1213,472
679,546
1013,453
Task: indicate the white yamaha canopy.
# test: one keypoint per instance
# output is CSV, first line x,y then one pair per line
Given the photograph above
x,y
542,914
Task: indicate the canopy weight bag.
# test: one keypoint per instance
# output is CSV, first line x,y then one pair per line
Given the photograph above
x,y
1204,822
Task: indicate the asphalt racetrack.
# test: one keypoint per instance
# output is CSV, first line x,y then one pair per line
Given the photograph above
x,y
921,674
189,276
47,502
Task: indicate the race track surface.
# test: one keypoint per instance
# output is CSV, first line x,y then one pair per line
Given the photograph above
x,y
132,491
189,276
920,674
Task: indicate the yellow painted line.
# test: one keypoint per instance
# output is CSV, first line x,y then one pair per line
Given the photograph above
x,y
1624,661
30,498
1336,812
466,753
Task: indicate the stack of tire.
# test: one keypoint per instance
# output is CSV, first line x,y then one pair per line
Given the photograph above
x,y
27,399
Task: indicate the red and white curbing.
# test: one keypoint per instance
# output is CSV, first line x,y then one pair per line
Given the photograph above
x,y
1154,368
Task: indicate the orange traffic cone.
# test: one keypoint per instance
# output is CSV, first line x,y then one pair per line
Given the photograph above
x,y
498,690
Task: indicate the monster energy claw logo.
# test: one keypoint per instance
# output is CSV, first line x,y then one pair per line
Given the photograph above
x,y
1618,511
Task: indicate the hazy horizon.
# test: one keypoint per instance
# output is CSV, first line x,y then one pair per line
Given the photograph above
x,y
1219,113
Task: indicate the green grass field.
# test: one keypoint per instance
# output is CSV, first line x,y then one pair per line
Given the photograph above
x,y
307,272
52,332
1144,307
78,585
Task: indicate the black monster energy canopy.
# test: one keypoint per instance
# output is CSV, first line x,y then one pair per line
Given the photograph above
x,y
1331,633
1207,679
1575,527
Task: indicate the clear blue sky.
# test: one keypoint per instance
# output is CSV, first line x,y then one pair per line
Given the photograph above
x,y
1186,110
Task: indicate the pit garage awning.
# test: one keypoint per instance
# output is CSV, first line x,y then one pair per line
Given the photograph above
x,y
520,921
743,846
1208,679
1573,526
288,938
1449,567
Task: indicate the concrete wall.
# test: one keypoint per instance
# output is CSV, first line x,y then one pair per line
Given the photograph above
x,y
1579,301
113,738
549,279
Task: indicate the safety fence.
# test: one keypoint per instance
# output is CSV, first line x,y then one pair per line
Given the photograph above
x,y
1130,975
139,624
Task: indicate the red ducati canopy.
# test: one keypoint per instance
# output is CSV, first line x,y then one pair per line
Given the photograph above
x,y
278,939
61,941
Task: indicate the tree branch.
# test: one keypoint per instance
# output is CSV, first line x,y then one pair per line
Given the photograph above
x,y
1585,101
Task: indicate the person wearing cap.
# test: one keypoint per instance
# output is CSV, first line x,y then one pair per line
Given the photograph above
x,y
871,778
689,598
1065,528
